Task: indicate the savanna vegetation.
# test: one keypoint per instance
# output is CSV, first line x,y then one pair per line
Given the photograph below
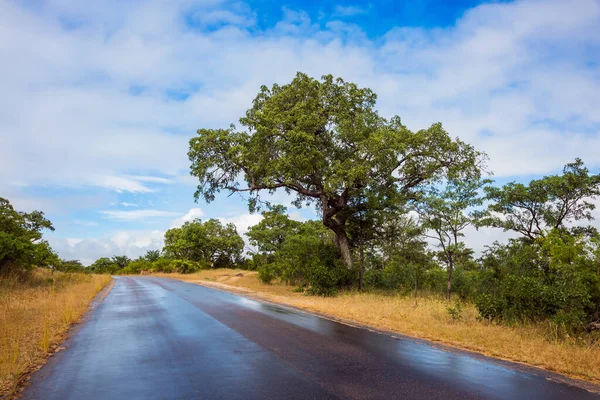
x,y
393,207
41,296
388,247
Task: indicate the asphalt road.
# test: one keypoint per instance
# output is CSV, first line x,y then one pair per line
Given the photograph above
x,y
156,338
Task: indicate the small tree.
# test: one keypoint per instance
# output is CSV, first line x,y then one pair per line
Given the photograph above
x,y
270,233
152,255
443,213
545,204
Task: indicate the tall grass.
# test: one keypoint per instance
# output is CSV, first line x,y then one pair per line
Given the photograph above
x,y
36,310
428,317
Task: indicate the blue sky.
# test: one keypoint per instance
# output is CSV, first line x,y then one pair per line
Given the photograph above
x,y
100,99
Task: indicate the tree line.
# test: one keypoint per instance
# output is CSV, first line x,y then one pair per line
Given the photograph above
x,y
393,207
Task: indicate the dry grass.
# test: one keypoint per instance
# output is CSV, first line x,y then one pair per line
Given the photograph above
x,y
427,318
36,310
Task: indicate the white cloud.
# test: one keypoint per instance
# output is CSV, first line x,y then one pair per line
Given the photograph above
x,y
242,222
125,204
130,243
135,215
87,104
191,215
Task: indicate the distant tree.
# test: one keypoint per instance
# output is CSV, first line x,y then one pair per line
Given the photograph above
x,y
152,255
104,265
544,204
443,213
121,261
70,266
21,243
325,142
212,242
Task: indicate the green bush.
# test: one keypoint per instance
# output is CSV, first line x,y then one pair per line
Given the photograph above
x,y
185,266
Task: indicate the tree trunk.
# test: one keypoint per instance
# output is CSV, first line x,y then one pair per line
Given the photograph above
x,y
344,244
341,238
449,284
362,267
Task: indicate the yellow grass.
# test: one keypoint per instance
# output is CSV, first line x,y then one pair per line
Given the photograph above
x,y
427,317
36,311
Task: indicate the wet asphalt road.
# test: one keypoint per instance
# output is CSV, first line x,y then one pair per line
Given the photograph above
x,y
156,338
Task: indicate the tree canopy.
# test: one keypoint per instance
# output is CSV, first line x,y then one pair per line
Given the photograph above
x,y
324,141
211,242
544,204
21,242
270,233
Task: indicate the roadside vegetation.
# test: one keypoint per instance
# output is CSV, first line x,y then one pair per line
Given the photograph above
x,y
37,308
37,305
387,247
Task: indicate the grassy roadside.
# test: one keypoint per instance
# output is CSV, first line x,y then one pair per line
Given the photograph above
x,y
36,311
427,318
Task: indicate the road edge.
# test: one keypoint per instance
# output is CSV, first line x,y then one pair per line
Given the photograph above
x,y
589,386
75,327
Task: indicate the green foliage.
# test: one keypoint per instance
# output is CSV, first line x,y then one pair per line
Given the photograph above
x,y
187,266
324,141
137,266
443,215
307,258
21,243
270,233
69,266
104,265
455,312
162,265
152,255
556,277
545,204
210,242
121,261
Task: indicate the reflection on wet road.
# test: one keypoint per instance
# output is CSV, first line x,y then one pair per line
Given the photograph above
x,y
156,338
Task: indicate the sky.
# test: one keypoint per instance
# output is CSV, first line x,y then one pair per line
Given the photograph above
x,y
98,100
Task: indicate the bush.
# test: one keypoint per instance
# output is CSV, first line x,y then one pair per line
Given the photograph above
x,y
162,265
266,273
455,312
185,266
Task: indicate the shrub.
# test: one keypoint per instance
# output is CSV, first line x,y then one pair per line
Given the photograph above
x,y
185,266
162,265
455,312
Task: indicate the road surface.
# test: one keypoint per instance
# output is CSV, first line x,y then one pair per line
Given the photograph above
x,y
155,338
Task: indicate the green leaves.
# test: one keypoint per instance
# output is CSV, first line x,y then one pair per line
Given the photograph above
x,y
21,243
545,204
325,142
211,242
270,233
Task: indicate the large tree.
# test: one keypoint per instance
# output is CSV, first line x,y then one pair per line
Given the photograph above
x,y
324,141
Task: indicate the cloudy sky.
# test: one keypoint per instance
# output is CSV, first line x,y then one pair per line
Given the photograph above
x,y
99,99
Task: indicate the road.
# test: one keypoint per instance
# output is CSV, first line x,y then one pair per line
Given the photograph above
x,y
155,338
